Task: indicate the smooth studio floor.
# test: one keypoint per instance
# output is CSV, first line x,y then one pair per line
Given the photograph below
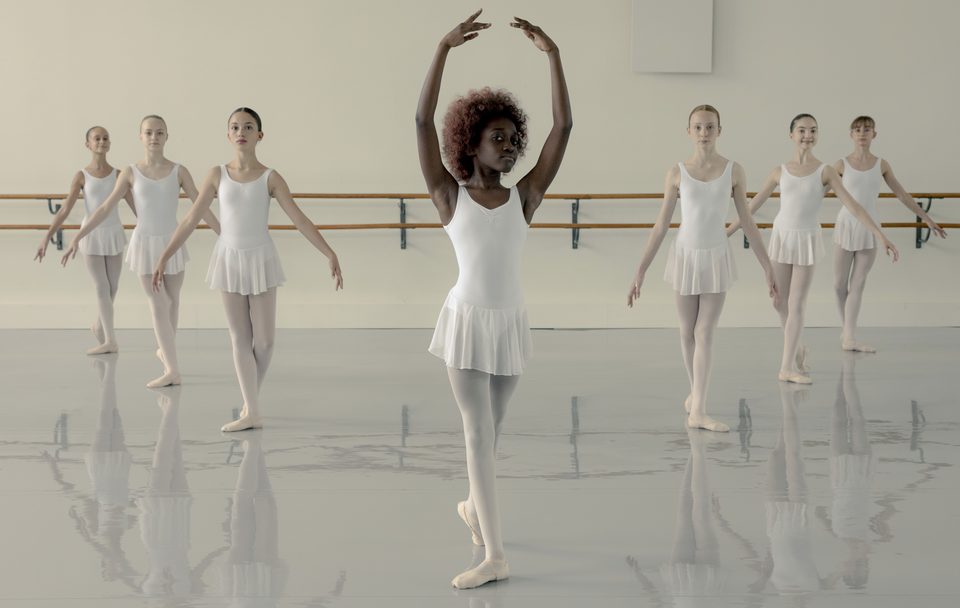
x,y
842,494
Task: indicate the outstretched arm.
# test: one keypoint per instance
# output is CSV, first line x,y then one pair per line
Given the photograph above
x,y
96,218
201,206
280,191
750,228
773,180
440,184
832,179
905,197
190,189
671,191
76,185
535,183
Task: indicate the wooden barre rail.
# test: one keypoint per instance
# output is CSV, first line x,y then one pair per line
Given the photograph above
x,y
397,226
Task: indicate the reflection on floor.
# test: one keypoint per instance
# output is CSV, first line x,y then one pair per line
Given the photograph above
x,y
839,494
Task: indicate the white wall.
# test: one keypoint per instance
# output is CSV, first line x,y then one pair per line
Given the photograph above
x,y
337,84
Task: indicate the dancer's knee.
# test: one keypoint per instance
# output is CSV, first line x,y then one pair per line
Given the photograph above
x,y
478,438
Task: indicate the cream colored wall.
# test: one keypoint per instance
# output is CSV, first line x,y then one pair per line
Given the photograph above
x,y
337,84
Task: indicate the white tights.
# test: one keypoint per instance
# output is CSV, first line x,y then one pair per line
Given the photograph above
x,y
253,326
699,315
851,268
105,271
165,309
793,286
482,399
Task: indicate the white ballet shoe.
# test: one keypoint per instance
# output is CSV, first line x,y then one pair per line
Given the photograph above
x,y
795,377
167,379
801,360
244,423
856,347
472,523
488,571
104,349
707,423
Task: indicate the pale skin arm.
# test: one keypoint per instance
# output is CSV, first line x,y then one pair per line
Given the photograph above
x,y
441,185
904,197
76,186
535,183
671,192
97,217
773,180
832,178
750,228
190,189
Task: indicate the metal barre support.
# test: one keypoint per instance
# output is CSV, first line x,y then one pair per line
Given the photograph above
x,y
403,220
56,239
920,238
575,232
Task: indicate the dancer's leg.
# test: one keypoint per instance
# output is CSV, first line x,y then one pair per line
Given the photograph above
x,y
471,388
688,307
105,290
801,277
238,309
263,320
862,263
842,262
707,315
165,332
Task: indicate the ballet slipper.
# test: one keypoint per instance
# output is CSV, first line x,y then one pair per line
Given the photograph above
x,y
488,571
472,522
688,403
707,423
242,424
167,379
104,349
857,347
795,377
801,359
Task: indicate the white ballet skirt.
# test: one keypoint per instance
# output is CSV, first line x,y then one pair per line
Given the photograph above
x,y
110,474
156,201
108,237
483,324
796,237
244,259
864,186
851,476
794,570
701,259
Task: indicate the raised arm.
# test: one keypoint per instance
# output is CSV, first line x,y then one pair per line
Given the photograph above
x,y
671,191
76,185
190,189
832,179
773,180
535,183
750,228
907,199
201,207
119,191
441,185
280,191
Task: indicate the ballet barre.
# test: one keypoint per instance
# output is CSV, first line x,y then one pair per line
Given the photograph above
x,y
575,225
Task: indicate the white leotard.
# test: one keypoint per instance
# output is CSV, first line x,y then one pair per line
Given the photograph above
x,y
244,259
156,201
701,261
483,323
796,237
865,187
108,237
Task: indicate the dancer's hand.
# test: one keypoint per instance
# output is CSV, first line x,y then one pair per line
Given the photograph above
x,y
891,249
465,31
336,273
70,253
936,229
157,280
42,250
772,286
531,31
634,292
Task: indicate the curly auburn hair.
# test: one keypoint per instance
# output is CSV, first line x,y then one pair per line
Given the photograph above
x,y
465,120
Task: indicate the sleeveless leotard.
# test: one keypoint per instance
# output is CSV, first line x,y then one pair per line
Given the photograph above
x,y
796,237
483,323
865,187
244,258
108,237
700,260
156,201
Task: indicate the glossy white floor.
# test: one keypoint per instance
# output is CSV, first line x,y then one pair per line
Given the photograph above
x,y
843,494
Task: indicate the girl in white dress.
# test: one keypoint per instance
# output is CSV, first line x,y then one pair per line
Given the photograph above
x,y
700,266
155,184
482,334
245,265
103,248
796,243
855,247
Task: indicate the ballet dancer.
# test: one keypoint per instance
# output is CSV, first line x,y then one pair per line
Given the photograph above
x,y
855,247
155,184
482,334
245,265
795,242
103,247
700,265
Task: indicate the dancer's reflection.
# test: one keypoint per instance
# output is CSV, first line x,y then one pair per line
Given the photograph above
x,y
253,574
165,508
